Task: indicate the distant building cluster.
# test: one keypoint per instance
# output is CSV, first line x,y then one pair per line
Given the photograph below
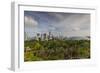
x,y
44,36
49,36
39,36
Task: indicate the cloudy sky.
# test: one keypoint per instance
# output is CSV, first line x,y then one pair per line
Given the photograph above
x,y
65,24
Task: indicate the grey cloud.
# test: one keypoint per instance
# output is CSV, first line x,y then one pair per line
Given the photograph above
x,y
74,24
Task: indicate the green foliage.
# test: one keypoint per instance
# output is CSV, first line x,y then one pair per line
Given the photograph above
x,y
57,50
29,56
37,46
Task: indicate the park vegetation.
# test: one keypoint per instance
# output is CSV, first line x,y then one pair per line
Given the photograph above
x,y
38,50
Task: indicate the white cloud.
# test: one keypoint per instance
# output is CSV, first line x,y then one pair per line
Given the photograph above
x,y
30,22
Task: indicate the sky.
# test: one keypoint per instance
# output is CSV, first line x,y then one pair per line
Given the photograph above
x,y
64,24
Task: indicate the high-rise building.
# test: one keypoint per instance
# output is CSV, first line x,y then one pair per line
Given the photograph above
x,y
25,36
38,36
50,35
44,36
